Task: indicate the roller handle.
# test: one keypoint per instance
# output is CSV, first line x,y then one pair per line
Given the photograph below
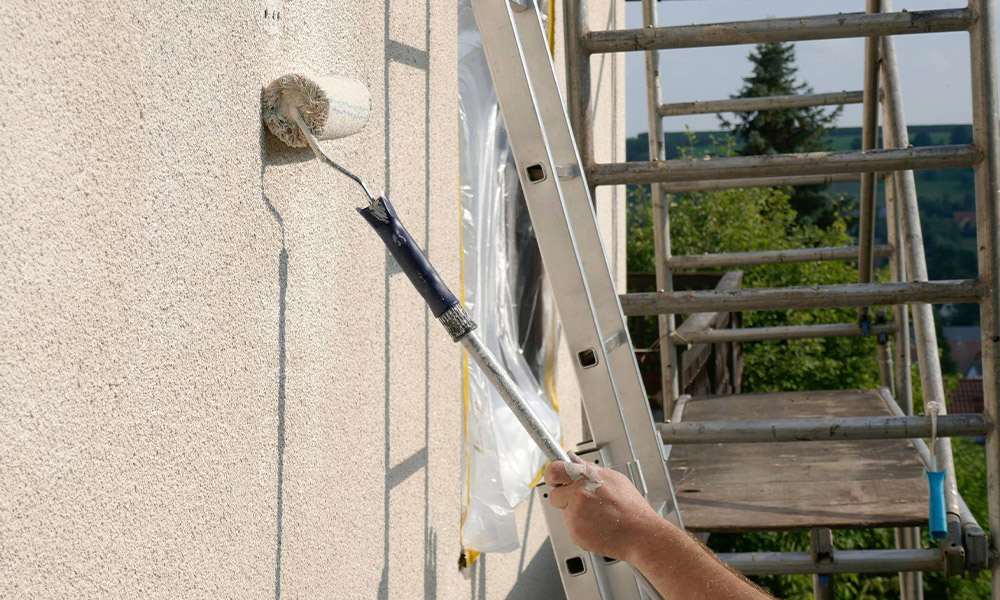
x,y
937,522
382,217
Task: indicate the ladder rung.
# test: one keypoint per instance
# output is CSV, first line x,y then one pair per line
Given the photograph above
x,y
771,257
788,332
844,561
822,429
794,29
802,297
753,104
806,163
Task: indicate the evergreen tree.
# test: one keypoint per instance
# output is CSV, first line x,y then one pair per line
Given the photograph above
x,y
784,130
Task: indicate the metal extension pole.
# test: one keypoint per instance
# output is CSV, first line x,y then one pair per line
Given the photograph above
x,y
670,385
986,135
923,315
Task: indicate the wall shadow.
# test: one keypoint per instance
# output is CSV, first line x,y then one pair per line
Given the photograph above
x,y
280,402
403,54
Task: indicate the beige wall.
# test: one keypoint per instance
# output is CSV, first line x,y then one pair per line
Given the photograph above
x,y
213,381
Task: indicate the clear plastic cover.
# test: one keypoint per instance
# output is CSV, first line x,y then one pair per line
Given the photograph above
x,y
504,288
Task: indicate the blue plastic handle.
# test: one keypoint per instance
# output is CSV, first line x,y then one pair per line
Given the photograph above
x,y
938,522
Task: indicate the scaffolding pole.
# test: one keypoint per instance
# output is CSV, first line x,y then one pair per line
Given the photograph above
x,y
801,297
772,257
931,381
986,135
869,135
765,31
780,165
786,332
680,187
822,430
844,561
669,383
699,107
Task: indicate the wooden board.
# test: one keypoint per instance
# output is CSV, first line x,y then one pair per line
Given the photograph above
x,y
796,485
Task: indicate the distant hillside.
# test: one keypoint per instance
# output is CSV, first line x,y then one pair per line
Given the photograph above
x,y
946,196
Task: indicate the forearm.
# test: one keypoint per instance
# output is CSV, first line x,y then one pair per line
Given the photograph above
x,y
683,569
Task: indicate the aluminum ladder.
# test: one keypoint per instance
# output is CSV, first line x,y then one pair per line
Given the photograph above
x,y
561,209
966,547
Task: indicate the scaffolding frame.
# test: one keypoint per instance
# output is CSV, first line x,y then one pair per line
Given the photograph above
x,y
966,547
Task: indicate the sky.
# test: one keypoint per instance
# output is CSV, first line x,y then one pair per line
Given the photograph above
x,y
934,68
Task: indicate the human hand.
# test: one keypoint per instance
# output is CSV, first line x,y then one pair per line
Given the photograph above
x,y
602,510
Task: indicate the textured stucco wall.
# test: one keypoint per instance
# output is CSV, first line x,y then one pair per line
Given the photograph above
x,y
214,383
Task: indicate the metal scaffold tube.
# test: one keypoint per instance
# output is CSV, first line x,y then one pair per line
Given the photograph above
x,y
661,219
986,135
779,165
869,133
901,313
793,29
578,79
787,332
772,257
844,561
801,297
680,187
821,430
699,107
931,380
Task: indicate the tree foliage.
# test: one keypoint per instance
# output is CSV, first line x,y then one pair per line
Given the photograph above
x,y
748,220
784,130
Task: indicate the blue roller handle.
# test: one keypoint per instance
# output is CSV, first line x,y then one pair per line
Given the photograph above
x,y
938,522
382,217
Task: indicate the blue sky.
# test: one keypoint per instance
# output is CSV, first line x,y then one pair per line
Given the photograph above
x,y
934,68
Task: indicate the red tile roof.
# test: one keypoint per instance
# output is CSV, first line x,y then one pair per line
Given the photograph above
x,y
967,397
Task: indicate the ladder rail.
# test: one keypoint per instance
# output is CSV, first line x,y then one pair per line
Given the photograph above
x,y
559,202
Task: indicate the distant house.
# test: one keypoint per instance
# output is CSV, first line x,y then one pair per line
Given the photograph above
x,y
967,397
966,348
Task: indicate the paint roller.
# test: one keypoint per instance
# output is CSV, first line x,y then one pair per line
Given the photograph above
x,y
299,110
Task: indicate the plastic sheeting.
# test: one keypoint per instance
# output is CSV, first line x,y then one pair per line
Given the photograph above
x,y
504,289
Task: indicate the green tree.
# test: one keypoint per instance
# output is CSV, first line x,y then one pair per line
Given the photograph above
x,y
784,130
748,220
